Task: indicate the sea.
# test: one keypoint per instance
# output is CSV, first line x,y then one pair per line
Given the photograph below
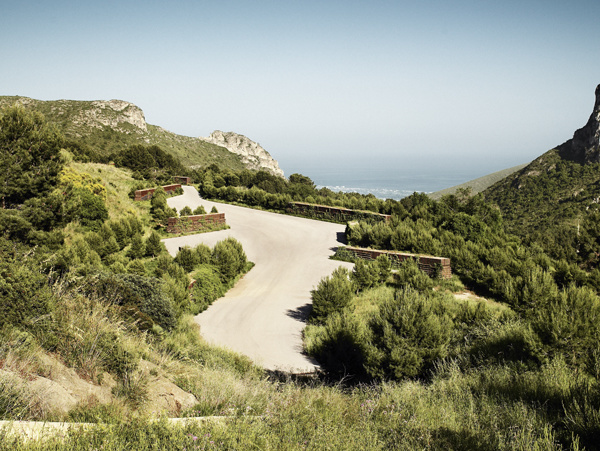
x,y
391,182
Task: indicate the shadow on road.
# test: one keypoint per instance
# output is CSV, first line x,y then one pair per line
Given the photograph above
x,y
341,237
301,313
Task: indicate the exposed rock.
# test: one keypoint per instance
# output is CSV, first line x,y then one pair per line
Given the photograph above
x,y
61,388
164,395
253,155
114,113
584,147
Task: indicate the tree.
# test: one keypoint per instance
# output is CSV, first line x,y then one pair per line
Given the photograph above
x,y
153,245
186,258
29,155
137,247
200,210
185,211
229,257
365,274
332,295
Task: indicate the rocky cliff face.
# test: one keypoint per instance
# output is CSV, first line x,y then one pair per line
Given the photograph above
x,y
253,155
114,114
584,147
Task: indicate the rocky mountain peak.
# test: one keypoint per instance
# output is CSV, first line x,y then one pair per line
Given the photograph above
x,y
113,113
253,155
584,147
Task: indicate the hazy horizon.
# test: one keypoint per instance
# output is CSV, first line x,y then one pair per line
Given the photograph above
x,y
447,85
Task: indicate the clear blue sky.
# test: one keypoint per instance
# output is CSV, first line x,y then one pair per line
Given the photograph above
x,y
480,83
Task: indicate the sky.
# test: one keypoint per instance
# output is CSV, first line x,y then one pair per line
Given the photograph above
x,y
406,85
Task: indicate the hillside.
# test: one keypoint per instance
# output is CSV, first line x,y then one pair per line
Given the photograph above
x,y
479,184
559,189
96,314
107,127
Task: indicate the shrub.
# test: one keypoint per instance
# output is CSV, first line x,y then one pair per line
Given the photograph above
x,y
331,295
229,258
214,209
408,335
200,210
203,253
153,245
136,267
365,274
25,296
146,293
187,258
208,287
137,249
339,345
410,276
185,211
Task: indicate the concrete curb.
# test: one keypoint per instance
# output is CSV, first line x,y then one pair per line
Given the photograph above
x,y
40,430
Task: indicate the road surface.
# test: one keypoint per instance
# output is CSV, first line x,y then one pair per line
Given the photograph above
x,y
264,314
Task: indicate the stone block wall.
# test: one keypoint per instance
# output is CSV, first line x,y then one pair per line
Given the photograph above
x,y
338,214
428,264
196,223
183,180
146,194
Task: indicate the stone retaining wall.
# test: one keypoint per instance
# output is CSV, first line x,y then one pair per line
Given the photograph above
x,y
195,223
338,214
432,266
146,194
182,179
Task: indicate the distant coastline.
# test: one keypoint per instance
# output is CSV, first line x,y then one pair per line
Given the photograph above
x,y
387,183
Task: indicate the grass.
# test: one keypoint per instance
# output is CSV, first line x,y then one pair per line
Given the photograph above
x,y
118,183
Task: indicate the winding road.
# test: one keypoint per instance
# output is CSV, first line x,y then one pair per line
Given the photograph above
x,y
264,314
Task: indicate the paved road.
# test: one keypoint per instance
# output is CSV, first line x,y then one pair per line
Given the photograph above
x,y
263,315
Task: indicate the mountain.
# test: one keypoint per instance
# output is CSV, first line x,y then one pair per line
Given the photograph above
x,y
479,184
253,155
107,126
558,189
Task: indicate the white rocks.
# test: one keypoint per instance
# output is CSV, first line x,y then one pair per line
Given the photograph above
x,y
253,155
113,113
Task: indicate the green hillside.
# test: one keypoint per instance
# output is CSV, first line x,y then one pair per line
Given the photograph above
x,y
96,321
555,199
479,184
105,128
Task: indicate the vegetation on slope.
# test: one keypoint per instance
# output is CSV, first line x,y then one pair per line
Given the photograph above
x,y
479,184
90,284
93,140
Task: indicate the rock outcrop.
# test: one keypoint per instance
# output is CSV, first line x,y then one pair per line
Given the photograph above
x,y
114,114
584,147
253,155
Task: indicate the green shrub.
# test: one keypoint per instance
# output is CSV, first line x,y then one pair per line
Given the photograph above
x,y
331,295
208,287
136,267
185,211
339,345
229,258
187,258
86,207
153,245
203,253
200,210
136,249
146,293
26,298
408,335
365,274
410,276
